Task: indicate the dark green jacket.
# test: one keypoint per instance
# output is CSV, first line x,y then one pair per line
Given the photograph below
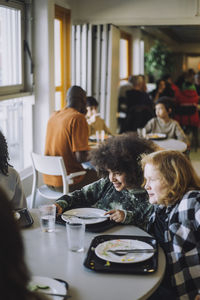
x,y
102,194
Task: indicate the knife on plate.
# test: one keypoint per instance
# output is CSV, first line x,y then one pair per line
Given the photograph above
x,y
125,251
87,217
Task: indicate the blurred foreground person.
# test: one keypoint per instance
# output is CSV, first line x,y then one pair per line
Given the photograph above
x,y
14,274
174,190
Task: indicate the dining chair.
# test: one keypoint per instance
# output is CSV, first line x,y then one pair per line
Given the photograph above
x,y
50,165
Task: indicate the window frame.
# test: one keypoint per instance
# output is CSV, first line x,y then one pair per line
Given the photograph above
x,y
18,88
64,15
126,36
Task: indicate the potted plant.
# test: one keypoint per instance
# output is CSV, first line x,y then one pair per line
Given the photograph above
x,y
159,61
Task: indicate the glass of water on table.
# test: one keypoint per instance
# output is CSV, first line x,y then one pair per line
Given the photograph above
x,y
47,217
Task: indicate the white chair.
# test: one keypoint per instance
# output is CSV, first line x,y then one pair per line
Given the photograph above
x,y
50,165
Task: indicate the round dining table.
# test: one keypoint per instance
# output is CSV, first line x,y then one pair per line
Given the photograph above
x,y
171,144
47,254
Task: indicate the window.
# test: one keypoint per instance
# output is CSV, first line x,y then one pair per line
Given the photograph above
x,y
11,58
16,125
62,54
15,105
125,56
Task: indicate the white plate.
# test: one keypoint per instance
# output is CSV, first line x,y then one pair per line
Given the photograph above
x,y
55,287
156,136
87,212
101,251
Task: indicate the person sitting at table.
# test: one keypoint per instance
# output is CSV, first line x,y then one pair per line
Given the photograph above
x,y
163,123
67,136
95,123
9,178
119,191
162,89
174,190
14,273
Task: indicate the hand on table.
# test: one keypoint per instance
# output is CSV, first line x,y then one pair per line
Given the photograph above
x,y
116,215
59,209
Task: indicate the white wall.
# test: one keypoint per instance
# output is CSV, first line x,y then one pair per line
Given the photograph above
x,y
43,28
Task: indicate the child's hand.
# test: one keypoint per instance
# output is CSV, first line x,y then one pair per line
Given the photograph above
x,y
59,209
116,215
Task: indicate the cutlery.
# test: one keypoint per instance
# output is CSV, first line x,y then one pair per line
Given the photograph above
x,y
86,217
121,252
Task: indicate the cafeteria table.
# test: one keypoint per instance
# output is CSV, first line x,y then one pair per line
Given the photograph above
x,y
171,144
47,255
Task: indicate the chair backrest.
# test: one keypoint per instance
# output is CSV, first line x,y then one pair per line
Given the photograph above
x,y
50,165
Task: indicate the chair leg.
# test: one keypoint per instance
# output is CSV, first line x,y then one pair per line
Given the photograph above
x,y
195,135
33,197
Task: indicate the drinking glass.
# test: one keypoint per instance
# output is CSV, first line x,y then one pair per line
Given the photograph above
x,y
75,235
47,217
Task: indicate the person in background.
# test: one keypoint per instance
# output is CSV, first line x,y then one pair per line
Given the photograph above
x,y
67,136
127,86
10,181
122,103
188,96
14,273
172,85
119,191
143,86
95,123
197,82
139,106
162,89
163,123
174,191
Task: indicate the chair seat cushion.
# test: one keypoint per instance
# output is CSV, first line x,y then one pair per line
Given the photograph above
x,y
47,192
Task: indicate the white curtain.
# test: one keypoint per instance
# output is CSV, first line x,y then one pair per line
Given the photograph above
x,y
95,66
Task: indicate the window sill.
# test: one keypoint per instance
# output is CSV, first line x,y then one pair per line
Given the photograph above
x,y
13,96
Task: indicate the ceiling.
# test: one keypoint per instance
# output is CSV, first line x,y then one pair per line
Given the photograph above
x,y
182,34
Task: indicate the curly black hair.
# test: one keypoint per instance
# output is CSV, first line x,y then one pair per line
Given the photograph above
x,y
4,156
122,154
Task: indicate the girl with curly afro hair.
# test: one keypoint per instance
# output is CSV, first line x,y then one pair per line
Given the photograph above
x,y
119,191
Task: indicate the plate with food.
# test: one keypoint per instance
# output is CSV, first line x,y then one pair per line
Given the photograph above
x,y
112,251
88,215
156,136
48,286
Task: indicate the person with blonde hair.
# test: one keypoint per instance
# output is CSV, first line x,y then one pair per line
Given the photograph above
x,y
174,189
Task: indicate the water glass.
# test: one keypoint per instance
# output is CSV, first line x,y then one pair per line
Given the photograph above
x,y
97,136
75,235
47,217
102,135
